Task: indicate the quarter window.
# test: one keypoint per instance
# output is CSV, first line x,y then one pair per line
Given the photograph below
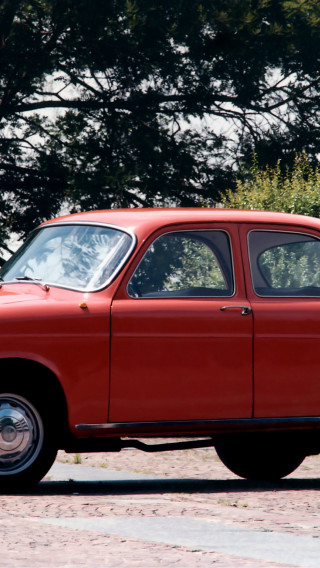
x,y
284,264
188,263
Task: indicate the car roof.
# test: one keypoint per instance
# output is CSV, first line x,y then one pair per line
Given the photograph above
x,y
143,220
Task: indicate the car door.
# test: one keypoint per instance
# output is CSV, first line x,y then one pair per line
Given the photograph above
x,y
181,331
283,282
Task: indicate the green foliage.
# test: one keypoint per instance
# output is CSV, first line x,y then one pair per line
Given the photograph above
x,y
294,265
297,190
198,268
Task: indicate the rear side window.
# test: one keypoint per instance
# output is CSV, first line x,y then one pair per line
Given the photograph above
x,y
284,263
186,263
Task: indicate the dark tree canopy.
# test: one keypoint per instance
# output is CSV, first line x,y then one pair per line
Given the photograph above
x,y
107,103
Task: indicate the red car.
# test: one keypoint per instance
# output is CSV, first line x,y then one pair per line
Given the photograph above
x,y
199,323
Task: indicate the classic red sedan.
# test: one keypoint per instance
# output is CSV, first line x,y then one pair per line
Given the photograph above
x,y
125,324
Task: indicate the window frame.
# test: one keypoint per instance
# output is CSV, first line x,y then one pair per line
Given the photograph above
x,y
294,231
186,231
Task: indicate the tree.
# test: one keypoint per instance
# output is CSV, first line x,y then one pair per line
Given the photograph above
x,y
108,103
297,190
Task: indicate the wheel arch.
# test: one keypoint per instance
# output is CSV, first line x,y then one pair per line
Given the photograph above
x,y
40,384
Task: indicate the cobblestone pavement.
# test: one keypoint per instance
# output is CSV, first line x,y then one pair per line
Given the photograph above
x,y
191,486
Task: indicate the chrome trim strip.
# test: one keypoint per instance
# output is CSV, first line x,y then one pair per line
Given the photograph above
x,y
174,423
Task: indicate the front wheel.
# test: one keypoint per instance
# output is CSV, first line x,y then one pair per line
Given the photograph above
x,y
261,456
26,449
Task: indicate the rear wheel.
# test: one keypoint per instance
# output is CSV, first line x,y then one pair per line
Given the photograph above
x,y
27,450
261,456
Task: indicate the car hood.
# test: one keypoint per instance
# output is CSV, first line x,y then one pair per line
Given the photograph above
x,y
24,293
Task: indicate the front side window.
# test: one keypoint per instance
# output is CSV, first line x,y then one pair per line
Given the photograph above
x,y
284,264
187,263
81,257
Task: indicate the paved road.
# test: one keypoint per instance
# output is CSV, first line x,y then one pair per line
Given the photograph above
x,y
98,517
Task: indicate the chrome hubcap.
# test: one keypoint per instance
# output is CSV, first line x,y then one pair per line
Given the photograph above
x,y
21,434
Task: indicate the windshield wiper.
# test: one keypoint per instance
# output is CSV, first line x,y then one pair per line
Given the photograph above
x,y
37,281
28,278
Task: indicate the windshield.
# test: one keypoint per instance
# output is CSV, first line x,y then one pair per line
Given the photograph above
x,y
81,257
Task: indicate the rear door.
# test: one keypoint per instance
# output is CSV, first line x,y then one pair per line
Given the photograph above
x,y
283,281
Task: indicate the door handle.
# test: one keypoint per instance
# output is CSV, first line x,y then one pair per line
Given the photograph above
x,y
245,310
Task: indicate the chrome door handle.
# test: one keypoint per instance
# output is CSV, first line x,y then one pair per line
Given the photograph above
x,y
245,310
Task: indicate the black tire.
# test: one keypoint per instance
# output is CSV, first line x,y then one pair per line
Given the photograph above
x,y
261,456
27,449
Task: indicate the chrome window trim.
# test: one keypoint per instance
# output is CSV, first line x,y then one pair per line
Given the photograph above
x,y
250,264
85,223
184,297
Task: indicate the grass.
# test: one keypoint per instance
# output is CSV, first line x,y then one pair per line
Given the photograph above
x,y
232,503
